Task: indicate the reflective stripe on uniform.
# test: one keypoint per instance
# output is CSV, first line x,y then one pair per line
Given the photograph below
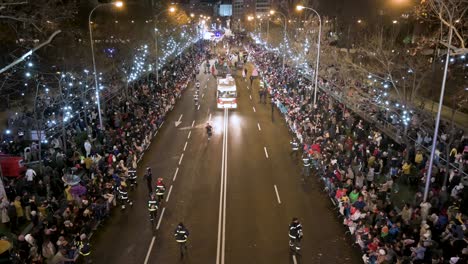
x,y
181,241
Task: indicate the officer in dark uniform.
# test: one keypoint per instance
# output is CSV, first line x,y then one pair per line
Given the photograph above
x,y
181,235
295,235
123,195
84,248
149,179
153,205
294,148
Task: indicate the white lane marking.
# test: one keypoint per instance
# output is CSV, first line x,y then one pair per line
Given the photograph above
x,y
254,108
266,152
225,189
169,194
175,174
222,196
182,156
160,218
250,97
198,108
193,123
189,133
162,123
209,119
180,118
294,259
185,145
277,194
149,250
156,132
258,125
203,95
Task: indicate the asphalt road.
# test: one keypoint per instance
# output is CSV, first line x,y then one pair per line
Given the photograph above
x,y
235,193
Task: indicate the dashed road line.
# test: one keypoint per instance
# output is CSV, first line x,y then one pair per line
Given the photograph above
x,y
266,152
185,146
277,194
175,174
198,108
189,133
254,108
258,125
193,123
160,218
149,250
203,95
250,97
182,156
169,194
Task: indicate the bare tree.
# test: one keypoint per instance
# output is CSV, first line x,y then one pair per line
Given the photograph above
x,y
452,14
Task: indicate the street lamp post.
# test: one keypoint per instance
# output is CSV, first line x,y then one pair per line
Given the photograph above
x,y
284,33
96,81
318,49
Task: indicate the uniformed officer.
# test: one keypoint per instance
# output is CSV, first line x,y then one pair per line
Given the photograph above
x,y
153,206
132,177
295,234
149,179
160,189
84,248
123,195
294,148
306,161
181,235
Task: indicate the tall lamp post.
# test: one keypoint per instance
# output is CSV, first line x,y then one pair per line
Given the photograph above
x,y
118,4
171,10
272,12
299,7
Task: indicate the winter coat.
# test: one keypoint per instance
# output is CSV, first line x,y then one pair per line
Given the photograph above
x,y
19,209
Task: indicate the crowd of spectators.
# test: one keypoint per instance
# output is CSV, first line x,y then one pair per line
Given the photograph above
x,y
363,171
81,172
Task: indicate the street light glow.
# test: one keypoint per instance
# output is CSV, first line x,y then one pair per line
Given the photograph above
x,y
299,7
118,4
192,15
172,9
272,12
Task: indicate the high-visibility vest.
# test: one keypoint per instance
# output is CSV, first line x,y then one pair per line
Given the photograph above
x,y
152,205
84,248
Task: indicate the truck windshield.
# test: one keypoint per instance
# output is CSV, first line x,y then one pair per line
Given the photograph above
x,y
227,94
